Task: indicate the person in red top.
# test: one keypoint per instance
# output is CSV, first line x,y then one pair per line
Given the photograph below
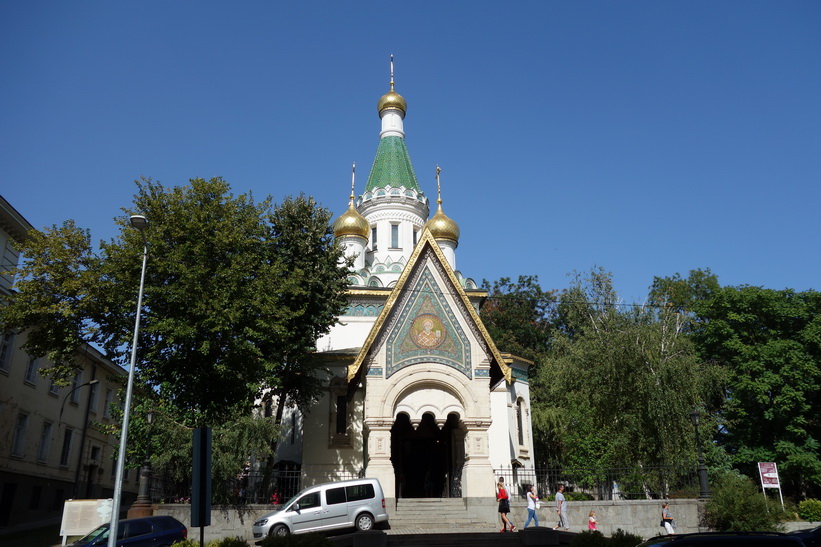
x,y
504,505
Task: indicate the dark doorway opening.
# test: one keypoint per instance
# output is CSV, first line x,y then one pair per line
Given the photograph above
x,y
423,457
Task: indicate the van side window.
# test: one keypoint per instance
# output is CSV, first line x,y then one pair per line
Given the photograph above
x,y
360,492
309,501
334,496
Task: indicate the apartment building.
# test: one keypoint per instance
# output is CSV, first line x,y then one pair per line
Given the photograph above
x,y
52,445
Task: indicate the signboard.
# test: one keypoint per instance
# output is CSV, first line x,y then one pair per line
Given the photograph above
x,y
82,516
769,475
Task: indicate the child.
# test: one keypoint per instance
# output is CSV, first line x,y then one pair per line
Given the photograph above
x,y
591,521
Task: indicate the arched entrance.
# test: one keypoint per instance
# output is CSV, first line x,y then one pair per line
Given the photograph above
x,y
427,459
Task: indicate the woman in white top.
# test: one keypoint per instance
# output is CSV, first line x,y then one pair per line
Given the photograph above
x,y
532,503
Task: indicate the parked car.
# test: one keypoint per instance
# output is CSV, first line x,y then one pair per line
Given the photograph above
x,y
724,539
810,536
156,531
356,504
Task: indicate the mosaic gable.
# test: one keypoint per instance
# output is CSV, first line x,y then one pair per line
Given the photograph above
x,y
427,331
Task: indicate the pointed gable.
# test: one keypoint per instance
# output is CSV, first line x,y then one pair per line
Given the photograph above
x,y
420,323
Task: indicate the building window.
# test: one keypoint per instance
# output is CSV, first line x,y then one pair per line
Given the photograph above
x,y
66,451
109,399
293,427
18,443
519,423
6,345
31,371
75,384
53,388
92,398
340,413
394,236
95,454
373,238
45,442
36,493
415,236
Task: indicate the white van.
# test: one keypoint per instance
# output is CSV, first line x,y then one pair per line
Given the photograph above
x,y
356,504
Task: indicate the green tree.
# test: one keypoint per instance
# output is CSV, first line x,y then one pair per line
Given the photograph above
x,y
623,378
519,316
770,343
236,293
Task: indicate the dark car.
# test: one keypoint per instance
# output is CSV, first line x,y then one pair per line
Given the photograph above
x,y
724,539
810,536
157,531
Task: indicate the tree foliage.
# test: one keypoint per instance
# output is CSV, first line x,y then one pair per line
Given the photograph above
x,y
770,343
236,294
519,316
622,379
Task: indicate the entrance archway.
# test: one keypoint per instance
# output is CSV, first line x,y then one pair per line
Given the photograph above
x,y
425,463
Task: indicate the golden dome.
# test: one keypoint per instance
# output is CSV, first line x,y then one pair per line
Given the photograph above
x,y
442,227
392,101
351,223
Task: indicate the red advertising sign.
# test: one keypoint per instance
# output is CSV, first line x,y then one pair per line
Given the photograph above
x,y
769,475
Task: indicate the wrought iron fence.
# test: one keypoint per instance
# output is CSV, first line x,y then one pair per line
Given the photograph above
x,y
605,484
257,487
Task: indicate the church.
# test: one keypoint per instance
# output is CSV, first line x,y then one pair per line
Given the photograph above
x,y
418,394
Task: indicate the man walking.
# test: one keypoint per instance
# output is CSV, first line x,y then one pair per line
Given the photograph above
x,y
561,509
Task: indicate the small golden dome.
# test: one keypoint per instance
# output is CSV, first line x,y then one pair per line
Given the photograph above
x,y
392,101
351,223
442,227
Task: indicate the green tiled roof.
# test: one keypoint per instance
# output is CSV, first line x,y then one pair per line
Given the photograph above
x,y
392,166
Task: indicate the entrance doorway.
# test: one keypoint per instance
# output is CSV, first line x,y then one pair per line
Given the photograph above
x,y
423,458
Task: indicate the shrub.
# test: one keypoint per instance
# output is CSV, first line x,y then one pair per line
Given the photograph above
x,y
624,539
738,505
578,496
228,542
186,543
589,538
810,510
302,540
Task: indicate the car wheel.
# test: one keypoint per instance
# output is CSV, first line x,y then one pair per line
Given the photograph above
x,y
364,522
279,530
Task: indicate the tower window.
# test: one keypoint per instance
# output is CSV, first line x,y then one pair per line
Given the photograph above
x,y
519,423
415,236
394,236
373,238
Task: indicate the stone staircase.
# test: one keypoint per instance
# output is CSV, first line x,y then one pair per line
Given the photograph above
x,y
434,514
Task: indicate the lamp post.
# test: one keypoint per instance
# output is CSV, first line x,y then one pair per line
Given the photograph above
x,y
83,442
142,505
140,223
702,469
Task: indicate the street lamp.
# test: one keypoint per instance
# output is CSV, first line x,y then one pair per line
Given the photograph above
x,y
140,223
142,505
702,469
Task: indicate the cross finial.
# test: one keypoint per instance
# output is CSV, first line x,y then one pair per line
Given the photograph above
x,y
353,180
438,186
391,71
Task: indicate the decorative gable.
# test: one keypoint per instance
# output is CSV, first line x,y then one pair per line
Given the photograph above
x,y
427,331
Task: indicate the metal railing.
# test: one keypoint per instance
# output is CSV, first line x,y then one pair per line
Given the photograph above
x,y
252,487
604,484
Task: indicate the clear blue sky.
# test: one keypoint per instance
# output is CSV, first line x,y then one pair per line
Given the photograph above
x,y
647,137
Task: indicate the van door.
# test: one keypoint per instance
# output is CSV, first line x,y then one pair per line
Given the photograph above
x,y
309,515
336,509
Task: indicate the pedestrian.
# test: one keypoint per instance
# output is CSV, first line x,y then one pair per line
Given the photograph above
x,y
504,505
532,506
667,521
561,509
591,521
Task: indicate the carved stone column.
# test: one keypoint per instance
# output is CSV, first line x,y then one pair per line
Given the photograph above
x,y
379,465
478,472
